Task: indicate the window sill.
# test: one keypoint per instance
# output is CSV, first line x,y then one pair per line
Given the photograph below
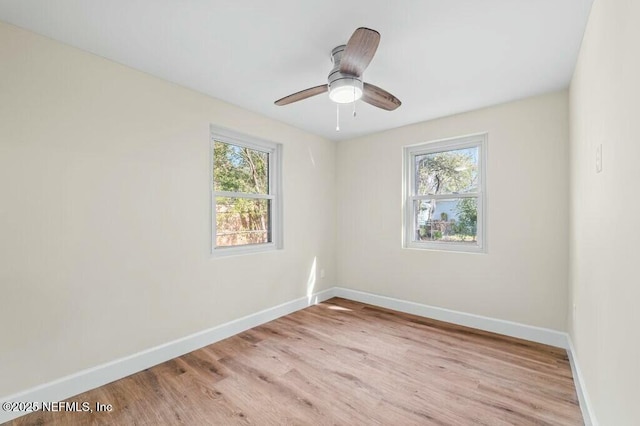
x,y
243,250
444,247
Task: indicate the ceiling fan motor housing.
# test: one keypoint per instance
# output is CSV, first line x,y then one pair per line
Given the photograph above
x,y
343,88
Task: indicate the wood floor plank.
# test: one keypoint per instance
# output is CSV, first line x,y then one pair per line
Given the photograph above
x,y
344,363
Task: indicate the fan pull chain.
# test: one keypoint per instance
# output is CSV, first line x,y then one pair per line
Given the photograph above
x,y
337,117
354,101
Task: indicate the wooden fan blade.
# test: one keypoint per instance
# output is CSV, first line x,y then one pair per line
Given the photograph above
x,y
303,94
359,51
380,98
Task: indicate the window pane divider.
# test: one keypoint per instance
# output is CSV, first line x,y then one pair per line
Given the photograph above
x,y
243,195
445,196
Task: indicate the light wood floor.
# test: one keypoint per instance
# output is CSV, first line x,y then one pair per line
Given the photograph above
x,y
345,363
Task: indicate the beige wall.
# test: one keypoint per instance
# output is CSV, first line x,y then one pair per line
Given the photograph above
x,y
104,213
523,277
605,219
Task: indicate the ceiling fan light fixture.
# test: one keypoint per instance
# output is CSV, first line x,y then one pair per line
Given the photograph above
x,y
345,90
345,84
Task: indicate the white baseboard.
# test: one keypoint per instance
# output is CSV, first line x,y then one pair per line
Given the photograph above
x,y
583,397
82,381
508,328
92,378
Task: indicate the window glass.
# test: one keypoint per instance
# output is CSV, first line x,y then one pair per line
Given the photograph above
x,y
240,169
447,172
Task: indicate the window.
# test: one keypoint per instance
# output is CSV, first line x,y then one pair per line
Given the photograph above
x,y
445,194
245,193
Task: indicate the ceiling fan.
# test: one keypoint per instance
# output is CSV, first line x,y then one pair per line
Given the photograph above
x,y
345,83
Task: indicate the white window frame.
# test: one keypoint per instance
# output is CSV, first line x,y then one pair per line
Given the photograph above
x,y
274,150
410,193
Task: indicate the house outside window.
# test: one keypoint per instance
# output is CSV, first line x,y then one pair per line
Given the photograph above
x,y
445,194
245,193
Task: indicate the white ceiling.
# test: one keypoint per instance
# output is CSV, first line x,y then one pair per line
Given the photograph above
x,y
439,57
